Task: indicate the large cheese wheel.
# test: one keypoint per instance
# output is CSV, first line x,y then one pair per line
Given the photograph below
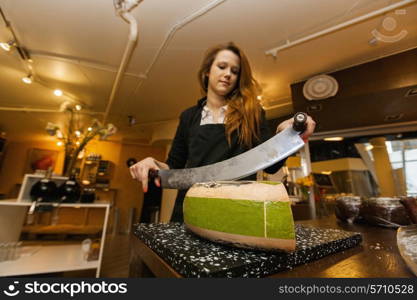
x,y
249,214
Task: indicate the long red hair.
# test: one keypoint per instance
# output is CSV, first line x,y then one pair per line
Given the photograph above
x,y
244,111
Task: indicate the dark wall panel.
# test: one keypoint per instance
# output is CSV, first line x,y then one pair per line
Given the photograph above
x,y
369,94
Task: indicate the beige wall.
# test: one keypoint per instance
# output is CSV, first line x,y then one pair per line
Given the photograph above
x,y
15,159
164,131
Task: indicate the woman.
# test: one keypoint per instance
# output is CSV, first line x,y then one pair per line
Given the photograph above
x,y
226,122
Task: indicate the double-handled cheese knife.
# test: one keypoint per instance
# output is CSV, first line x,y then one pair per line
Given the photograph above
x,y
262,156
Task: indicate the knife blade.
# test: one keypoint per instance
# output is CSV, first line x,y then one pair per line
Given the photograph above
x,y
258,158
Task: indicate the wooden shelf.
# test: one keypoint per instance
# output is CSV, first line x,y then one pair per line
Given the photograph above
x,y
62,229
50,258
47,259
13,202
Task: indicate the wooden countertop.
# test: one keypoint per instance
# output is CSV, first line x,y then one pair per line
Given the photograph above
x,y
376,256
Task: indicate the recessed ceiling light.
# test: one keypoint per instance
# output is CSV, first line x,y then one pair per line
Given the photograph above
x,y
78,107
59,144
334,139
259,97
58,93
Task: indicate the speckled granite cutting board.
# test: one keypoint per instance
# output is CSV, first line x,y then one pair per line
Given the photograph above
x,y
192,256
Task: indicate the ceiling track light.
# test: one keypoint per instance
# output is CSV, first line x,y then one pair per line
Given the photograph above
x,y
28,79
14,42
58,93
24,54
8,46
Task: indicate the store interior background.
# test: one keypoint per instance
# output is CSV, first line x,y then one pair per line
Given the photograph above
x,y
374,110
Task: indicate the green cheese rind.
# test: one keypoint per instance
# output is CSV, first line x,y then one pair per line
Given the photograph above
x,y
279,220
270,182
242,217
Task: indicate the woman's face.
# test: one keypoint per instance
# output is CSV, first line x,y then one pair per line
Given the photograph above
x,y
224,73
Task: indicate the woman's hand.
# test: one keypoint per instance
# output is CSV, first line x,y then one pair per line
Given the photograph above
x,y
140,171
310,125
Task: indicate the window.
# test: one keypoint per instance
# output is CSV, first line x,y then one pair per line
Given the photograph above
x,y
404,155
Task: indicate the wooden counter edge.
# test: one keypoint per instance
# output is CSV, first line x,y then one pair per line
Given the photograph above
x,y
142,258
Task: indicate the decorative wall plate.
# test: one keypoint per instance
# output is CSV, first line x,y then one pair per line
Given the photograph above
x,y
320,87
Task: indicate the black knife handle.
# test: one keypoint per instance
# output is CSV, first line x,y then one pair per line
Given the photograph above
x,y
300,122
131,161
153,174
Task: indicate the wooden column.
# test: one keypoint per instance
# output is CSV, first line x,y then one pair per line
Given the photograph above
x,y
383,167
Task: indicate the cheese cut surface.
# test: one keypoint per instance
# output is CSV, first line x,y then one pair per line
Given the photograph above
x,y
256,214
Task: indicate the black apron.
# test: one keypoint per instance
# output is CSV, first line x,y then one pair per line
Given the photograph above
x,y
207,144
